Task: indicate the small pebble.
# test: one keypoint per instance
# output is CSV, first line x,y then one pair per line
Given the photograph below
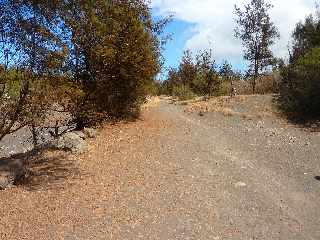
x,y
240,184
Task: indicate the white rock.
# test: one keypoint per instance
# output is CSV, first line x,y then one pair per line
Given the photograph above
x,y
240,184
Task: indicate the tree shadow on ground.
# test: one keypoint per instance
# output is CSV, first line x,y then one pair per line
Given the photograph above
x,y
308,123
317,178
45,169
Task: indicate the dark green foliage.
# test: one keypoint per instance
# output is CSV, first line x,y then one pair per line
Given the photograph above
x,y
193,77
30,54
306,36
300,85
207,81
114,58
228,75
101,57
183,92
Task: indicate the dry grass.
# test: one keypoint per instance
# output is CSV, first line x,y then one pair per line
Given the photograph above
x,y
251,105
215,104
265,85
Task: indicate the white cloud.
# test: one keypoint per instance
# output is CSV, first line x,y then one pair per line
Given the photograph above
x,y
214,23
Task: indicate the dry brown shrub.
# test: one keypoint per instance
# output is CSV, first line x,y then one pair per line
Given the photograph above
x,y
267,84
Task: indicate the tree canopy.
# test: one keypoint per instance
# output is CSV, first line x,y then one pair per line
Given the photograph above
x,y
100,56
257,33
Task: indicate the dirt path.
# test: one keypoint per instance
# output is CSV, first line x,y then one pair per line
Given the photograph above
x,y
175,175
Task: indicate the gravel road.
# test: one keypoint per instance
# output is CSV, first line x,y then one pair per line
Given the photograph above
x,y
244,179
178,175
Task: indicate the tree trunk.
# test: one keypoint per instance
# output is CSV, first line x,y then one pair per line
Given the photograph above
x,y
233,89
255,77
34,135
254,84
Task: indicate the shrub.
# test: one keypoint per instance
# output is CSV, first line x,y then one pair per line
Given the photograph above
x,y
182,92
268,84
300,86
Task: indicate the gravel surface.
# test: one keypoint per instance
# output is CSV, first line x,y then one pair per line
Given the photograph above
x,y
175,175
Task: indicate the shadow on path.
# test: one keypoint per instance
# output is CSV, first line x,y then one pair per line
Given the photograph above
x,y
42,169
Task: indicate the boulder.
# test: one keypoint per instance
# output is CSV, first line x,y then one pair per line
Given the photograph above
x,y
90,132
11,171
71,141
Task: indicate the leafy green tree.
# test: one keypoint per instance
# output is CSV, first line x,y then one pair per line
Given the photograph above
x,y
30,51
225,70
101,56
300,83
194,76
172,80
187,69
257,33
306,36
208,81
227,74
116,55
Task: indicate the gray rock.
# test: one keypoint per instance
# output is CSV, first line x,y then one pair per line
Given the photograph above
x,y
90,132
11,171
71,141
80,134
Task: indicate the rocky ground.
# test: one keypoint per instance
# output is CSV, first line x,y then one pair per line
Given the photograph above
x,y
195,171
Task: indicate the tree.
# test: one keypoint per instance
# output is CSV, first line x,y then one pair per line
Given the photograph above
x,y
115,56
207,78
101,56
173,79
187,69
227,73
194,76
300,83
257,33
306,36
30,50
226,70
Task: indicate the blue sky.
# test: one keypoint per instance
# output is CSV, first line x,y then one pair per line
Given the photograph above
x,y
203,24
181,33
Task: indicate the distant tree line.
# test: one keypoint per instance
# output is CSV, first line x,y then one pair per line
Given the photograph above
x,y
202,76
297,81
93,60
199,75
